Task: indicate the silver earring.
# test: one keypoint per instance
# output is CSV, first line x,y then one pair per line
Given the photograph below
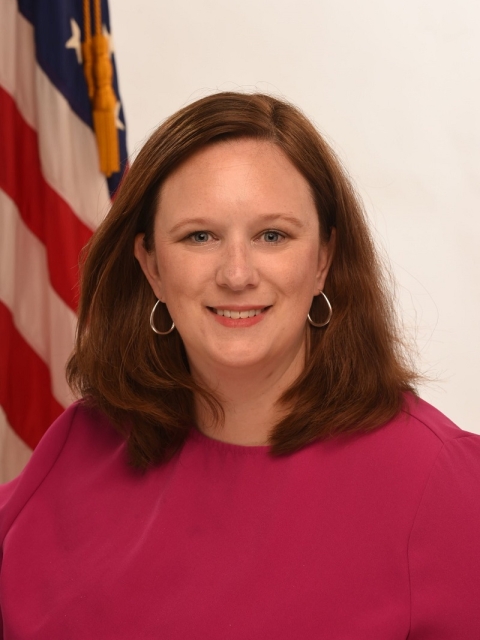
x,y
152,323
322,324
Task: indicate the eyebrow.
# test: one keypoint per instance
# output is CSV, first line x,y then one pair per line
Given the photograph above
x,y
269,217
198,222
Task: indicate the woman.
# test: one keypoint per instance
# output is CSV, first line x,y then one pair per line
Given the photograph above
x,y
249,459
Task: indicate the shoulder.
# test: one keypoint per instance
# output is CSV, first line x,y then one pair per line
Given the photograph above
x,y
456,452
78,434
420,427
454,469
407,447
414,464
424,415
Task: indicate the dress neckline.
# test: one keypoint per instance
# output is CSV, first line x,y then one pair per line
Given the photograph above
x,y
200,437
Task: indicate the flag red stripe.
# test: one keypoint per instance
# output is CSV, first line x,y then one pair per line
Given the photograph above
x,y
45,213
46,323
25,386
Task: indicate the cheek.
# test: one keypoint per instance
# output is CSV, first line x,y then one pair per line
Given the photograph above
x,y
181,276
299,273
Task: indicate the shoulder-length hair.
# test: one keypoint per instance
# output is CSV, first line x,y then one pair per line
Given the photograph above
x,y
356,370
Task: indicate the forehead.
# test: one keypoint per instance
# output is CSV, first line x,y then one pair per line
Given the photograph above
x,y
232,171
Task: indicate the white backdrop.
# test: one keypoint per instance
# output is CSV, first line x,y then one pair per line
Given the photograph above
x,y
394,86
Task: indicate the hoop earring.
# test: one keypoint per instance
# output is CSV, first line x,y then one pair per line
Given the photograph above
x,y
330,312
152,323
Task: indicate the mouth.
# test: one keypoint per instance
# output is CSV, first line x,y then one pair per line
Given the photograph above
x,y
237,314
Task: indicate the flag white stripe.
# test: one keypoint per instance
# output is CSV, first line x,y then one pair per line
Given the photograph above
x,y
65,141
14,453
16,47
46,323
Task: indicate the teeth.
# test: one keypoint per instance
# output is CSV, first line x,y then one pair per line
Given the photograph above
x,y
236,315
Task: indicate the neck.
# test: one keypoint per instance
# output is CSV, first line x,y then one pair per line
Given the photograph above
x,y
249,402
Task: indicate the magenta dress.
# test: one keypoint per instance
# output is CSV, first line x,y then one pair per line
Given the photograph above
x,y
366,537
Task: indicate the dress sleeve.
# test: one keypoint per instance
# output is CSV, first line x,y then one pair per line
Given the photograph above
x,y
444,547
14,495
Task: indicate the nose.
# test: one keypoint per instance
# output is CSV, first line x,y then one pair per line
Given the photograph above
x,y
236,269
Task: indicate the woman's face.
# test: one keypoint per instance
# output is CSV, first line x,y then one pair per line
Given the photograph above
x,y
237,256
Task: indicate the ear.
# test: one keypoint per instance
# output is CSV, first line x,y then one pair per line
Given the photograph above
x,y
325,257
148,263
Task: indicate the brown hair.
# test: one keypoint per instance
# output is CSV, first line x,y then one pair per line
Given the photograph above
x,y
356,371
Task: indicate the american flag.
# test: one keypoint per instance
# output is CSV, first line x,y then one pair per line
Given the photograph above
x,y
52,196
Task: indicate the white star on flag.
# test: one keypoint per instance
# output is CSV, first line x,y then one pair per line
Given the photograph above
x,y
75,41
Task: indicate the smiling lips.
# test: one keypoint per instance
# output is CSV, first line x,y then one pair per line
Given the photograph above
x,y
237,314
230,313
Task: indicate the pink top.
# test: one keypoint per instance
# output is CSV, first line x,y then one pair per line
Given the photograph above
x,y
366,537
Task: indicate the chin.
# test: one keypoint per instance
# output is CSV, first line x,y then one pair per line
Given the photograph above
x,y
238,359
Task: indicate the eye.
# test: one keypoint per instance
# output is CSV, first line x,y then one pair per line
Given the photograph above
x,y
199,237
272,236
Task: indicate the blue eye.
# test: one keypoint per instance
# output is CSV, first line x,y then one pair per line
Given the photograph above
x,y
200,236
272,236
